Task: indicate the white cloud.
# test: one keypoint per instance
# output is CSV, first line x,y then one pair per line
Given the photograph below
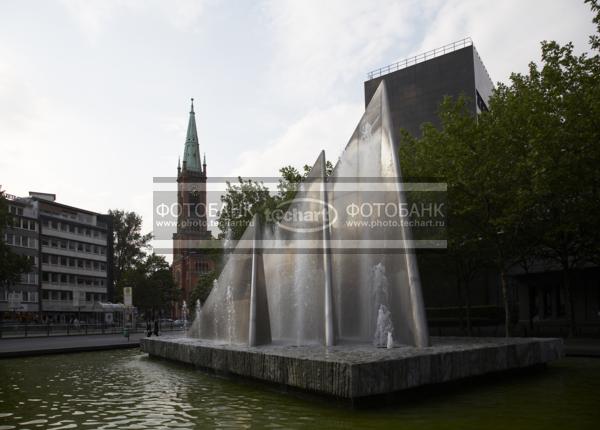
x,y
19,105
95,16
94,125
508,33
320,45
92,16
321,129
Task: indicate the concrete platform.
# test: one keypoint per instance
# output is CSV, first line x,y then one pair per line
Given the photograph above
x,y
359,371
30,346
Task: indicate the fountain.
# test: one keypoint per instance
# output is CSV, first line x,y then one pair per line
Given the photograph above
x,y
385,328
184,315
316,300
311,291
194,330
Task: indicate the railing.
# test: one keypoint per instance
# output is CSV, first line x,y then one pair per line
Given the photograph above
x,y
411,61
12,330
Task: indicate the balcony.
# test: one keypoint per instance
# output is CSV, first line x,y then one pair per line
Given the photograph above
x,y
74,254
74,287
73,270
52,232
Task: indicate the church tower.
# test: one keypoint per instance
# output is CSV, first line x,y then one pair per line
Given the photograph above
x,y
189,262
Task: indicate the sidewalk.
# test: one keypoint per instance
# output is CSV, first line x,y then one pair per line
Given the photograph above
x,y
60,344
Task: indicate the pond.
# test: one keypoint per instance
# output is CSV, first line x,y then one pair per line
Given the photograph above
x,y
125,389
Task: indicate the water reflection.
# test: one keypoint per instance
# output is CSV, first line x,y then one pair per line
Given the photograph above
x,y
127,390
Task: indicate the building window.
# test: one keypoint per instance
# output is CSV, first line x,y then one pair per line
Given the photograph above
x,y
30,296
29,278
202,266
480,103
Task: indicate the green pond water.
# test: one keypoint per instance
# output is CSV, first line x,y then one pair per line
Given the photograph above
x,y
125,389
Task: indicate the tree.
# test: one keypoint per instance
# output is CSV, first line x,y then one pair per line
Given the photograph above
x,y
11,265
565,154
522,178
241,201
202,290
290,180
154,289
129,244
486,187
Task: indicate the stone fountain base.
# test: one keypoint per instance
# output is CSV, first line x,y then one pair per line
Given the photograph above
x,y
359,371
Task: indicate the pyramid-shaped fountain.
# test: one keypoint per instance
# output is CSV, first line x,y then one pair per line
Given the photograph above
x,y
294,281
306,297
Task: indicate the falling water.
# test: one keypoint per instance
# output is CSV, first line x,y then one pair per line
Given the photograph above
x,y
379,293
299,301
195,329
385,328
215,314
228,244
230,314
198,310
184,315
375,292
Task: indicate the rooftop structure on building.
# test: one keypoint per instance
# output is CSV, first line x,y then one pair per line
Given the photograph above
x,y
417,85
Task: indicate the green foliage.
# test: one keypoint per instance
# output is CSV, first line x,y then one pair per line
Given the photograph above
x,y
523,178
129,244
240,202
246,198
202,290
595,39
152,283
11,265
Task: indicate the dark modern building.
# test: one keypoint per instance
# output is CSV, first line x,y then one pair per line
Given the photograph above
x,y
417,85
542,304
71,249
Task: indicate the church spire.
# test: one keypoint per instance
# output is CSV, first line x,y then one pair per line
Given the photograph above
x,y
191,152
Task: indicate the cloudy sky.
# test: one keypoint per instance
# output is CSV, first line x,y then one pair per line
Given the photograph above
x,y
94,94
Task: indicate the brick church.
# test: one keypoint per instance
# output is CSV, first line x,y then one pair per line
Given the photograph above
x,y
189,260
